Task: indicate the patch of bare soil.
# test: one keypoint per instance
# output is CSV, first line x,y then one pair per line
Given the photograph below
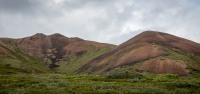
x,y
4,51
159,66
140,54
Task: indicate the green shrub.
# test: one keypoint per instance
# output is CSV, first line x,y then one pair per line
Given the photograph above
x,y
119,73
182,91
151,90
165,77
187,84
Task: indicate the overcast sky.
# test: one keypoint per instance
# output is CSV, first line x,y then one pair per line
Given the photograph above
x,y
109,21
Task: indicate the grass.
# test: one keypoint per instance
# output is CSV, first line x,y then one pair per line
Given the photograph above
x,y
178,56
181,56
90,84
69,67
10,65
19,62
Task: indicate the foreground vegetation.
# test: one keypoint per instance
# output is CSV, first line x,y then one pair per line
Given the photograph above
x,y
84,84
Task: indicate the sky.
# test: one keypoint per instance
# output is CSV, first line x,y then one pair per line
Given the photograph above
x,y
107,21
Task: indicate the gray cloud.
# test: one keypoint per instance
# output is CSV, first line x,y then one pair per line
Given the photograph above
x,y
111,21
15,6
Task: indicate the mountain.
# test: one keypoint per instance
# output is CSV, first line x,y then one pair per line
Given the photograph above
x,y
57,52
150,51
14,61
47,64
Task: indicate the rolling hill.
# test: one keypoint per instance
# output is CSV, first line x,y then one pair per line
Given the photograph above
x,y
14,61
44,52
151,52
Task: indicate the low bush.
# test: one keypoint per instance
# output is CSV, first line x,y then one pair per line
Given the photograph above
x,y
120,73
165,77
187,84
92,84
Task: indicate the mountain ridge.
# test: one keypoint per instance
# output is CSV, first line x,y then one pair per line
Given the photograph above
x,y
149,51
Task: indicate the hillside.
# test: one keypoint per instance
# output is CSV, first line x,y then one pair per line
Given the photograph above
x,y
45,52
47,64
14,61
152,52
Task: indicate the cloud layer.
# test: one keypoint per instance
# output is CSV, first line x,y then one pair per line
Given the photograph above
x,y
110,21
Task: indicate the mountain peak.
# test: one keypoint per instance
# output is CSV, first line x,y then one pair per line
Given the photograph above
x,y
39,34
57,35
150,34
164,39
150,31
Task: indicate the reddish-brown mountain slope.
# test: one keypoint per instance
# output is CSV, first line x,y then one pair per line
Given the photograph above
x,y
33,54
57,47
166,65
4,51
142,48
171,41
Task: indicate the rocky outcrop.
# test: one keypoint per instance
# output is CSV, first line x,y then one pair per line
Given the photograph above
x,y
56,47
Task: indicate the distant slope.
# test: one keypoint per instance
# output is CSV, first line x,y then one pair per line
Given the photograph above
x,y
60,53
176,43
13,61
150,51
76,62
